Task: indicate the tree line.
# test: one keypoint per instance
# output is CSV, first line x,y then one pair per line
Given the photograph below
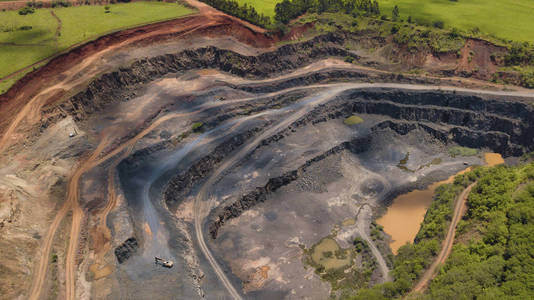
x,y
288,10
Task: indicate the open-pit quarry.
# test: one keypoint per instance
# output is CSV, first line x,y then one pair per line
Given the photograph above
x,y
252,169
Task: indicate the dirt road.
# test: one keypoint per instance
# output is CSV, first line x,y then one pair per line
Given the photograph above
x,y
459,210
67,206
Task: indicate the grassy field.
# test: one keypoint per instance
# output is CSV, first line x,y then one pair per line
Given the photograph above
x,y
265,7
21,48
505,19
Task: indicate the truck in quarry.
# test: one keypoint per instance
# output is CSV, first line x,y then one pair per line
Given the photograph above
x,y
164,263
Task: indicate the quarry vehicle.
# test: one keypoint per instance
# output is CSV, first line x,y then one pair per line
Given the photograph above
x,y
164,263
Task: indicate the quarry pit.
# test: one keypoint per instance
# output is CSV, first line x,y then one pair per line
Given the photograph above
x,y
253,170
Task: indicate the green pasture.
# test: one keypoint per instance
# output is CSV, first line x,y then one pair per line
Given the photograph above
x,y
504,19
265,7
21,47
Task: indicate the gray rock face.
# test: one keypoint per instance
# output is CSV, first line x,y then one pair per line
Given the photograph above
x,y
126,250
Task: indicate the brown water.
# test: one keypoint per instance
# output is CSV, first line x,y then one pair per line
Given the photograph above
x,y
493,159
403,218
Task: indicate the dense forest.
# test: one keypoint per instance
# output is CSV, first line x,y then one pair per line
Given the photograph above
x,y
495,256
494,252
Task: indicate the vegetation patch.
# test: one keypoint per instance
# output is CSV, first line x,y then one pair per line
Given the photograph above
x,y
243,10
402,163
265,7
353,120
197,126
462,151
346,270
329,255
495,259
498,18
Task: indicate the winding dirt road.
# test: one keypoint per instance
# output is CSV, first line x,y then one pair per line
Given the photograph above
x,y
459,210
31,114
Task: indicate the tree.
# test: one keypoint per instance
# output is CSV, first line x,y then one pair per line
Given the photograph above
x,y
395,14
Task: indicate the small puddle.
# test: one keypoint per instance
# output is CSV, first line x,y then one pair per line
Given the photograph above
x,y
403,218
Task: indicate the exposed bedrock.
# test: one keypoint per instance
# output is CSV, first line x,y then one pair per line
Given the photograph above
x,y
494,125
260,194
119,85
126,250
504,126
466,119
182,183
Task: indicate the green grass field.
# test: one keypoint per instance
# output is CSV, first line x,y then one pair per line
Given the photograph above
x,y
265,7
505,19
21,48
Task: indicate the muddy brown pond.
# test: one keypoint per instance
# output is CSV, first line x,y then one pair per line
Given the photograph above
x,y
403,218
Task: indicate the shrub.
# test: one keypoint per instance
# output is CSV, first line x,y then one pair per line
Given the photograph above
x,y
519,54
438,24
197,126
462,151
26,10
395,13
353,120
454,33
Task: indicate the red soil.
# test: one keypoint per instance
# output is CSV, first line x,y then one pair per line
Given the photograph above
x,y
209,22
